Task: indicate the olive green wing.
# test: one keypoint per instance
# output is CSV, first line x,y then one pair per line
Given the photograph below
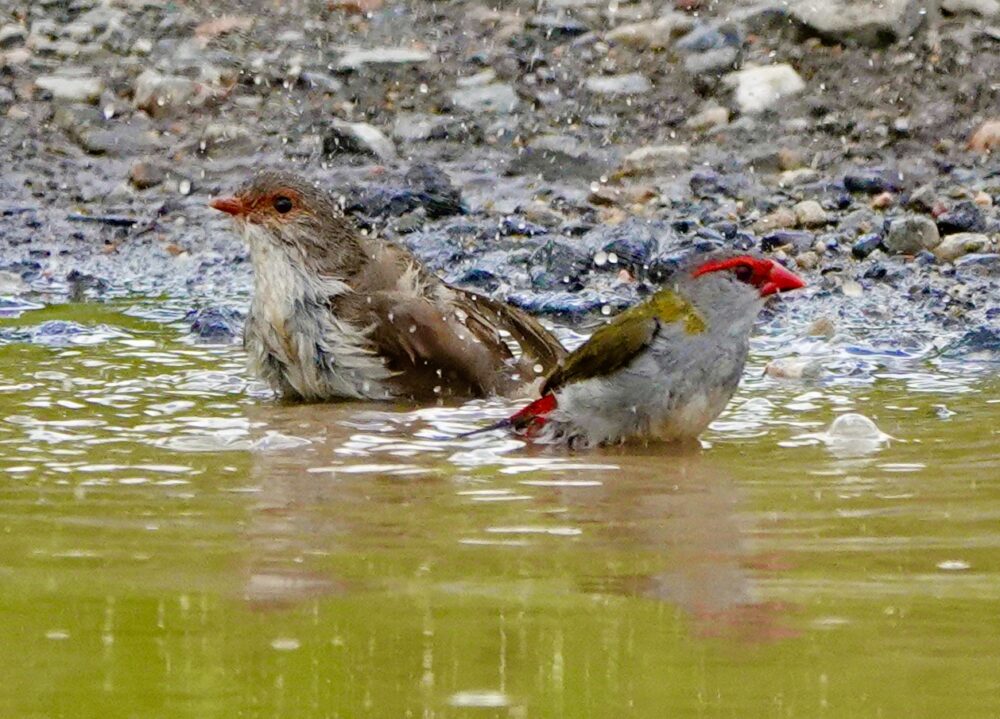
x,y
616,344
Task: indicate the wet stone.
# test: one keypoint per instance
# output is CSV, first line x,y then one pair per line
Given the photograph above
x,y
147,173
757,89
215,324
798,240
12,36
963,243
499,98
71,88
632,83
558,25
871,183
963,217
357,59
343,137
712,62
866,245
910,235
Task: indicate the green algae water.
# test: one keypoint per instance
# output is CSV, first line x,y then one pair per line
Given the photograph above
x,y
174,543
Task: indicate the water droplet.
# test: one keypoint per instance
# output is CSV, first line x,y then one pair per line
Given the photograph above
x,y
605,310
184,187
953,565
285,644
600,258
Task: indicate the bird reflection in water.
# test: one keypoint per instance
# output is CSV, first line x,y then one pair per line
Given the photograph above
x,y
382,487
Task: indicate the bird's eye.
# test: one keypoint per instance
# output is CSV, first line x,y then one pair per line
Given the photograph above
x,y
282,204
743,273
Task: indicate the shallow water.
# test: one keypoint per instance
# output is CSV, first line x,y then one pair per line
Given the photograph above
x,y
173,543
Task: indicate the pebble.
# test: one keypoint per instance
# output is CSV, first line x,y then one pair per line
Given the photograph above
x,y
12,36
632,83
757,89
357,137
357,59
963,243
910,235
963,217
799,240
781,218
810,213
865,245
147,173
159,94
794,368
712,62
986,138
708,119
871,183
71,88
874,23
655,34
499,98
986,8
656,158
882,201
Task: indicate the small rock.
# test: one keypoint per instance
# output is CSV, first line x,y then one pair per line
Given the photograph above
x,y
980,263
712,62
986,8
760,88
709,118
632,83
874,23
357,59
963,217
656,34
71,88
882,201
147,173
923,198
954,246
357,137
910,235
798,240
558,25
807,260
866,245
781,218
655,158
162,94
986,138
983,199
498,97
794,368
12,36
869,182
810,213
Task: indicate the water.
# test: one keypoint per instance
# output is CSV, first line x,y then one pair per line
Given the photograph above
x,y
175,544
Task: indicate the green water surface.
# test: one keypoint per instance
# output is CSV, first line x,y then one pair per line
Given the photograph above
x,y
174,544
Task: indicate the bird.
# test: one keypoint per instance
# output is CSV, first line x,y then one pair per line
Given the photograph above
x,y
661,370
340,315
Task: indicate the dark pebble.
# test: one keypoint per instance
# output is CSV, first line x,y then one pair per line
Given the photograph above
x,y
514,225
869,182
866,245
214,324
963,217
800,240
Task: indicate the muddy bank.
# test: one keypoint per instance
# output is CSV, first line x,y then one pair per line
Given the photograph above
x,y
562,156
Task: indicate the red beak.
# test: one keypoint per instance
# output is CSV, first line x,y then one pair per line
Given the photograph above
x,y
230,205
780,279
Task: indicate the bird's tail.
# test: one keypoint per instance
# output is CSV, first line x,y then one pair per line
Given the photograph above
x,y
525,421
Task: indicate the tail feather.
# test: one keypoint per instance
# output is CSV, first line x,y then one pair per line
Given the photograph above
x,y
526,420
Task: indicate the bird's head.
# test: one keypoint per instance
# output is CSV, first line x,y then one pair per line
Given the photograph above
x,y
285,211
765,275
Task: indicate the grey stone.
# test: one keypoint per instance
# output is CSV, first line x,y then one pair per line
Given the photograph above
x,y
162,94
12,36
986,8
910,235
497,98
868,22
656,158
810,213
356,59
359,137
757,89
71,88
712,62
632,83
655,34
954,246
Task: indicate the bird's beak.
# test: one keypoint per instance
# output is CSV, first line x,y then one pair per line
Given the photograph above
x,y
780,279
229,205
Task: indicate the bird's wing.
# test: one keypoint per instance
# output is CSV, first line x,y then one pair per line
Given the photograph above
x,y
617,343
414,332
536,342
